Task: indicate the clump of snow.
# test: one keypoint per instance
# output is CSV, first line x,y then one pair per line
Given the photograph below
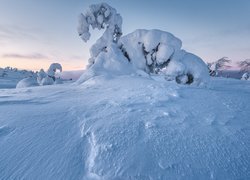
x,y
41,75
160,52
186,68
27,82
245,76
151,51
50,77
111,62
58,81
52,69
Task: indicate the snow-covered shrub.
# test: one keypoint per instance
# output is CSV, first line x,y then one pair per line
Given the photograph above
x,y
153,51
42,78
149,50
245,76
159,52
220,64
244,65
186,68
27,82
58,81
52,70
47,81
50,77
41,75
245,69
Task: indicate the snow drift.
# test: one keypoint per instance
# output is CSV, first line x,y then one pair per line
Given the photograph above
x,y
152,51
127,127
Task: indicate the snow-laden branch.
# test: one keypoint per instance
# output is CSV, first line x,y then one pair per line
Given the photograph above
x,y
100,16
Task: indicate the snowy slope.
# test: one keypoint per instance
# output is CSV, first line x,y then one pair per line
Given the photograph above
x,y
126,127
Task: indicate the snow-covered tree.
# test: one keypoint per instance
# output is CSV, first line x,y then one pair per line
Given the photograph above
x,y
42,78
50,78
151,51
245,69
245,65
220,64
100,16
52,70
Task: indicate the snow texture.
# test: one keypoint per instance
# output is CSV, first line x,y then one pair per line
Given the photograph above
x,y
126,127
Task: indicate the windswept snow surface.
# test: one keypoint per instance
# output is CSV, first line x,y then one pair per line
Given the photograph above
x,y
126,127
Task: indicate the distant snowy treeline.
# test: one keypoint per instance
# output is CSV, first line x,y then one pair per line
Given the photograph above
x,y
12,77
15,73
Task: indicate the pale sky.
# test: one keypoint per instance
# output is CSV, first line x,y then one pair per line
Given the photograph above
x,y
35,33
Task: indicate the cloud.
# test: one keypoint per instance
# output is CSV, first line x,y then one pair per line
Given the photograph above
x,y
25,56
16,33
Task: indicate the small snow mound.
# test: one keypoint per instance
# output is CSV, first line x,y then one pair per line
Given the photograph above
x,y
27,82
186,68
47,81
149,48
245,76
111,62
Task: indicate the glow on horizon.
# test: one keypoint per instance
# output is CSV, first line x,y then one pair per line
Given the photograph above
x,y
36,65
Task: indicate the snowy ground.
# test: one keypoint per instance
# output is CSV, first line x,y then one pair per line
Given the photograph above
x,y
6,83
126,127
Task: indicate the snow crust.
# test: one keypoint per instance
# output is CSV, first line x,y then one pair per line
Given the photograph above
x,y
126,127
